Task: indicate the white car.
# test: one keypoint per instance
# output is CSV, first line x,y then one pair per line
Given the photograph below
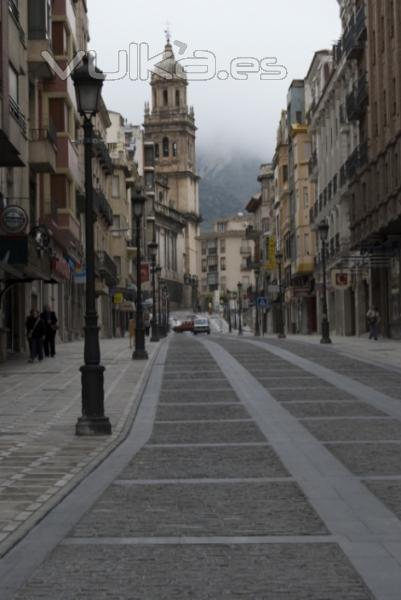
x,y
201,325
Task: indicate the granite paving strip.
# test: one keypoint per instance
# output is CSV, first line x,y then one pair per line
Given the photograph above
x,y
369,458
346,506
249,571
172,412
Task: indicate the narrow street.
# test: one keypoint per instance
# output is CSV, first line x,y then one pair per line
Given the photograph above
x,y
254,469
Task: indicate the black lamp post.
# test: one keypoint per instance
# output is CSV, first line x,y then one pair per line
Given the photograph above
x,y
230,328
88,82
159,294
138,203
324,233
153,246
281,332
239,308
257,324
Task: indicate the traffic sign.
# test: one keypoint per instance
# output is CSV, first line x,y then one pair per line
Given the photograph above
x,y
263,302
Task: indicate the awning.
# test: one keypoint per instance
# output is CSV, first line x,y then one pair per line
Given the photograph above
x,y
9,155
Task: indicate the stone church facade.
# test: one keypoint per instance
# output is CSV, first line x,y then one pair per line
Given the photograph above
x,y
170,176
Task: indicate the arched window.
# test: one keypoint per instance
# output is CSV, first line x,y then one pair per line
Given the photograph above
x,y
174,148
166,150
177,97
165,97
157,151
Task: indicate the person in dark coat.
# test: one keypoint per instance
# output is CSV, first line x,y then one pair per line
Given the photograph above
x,y
50,320
36,330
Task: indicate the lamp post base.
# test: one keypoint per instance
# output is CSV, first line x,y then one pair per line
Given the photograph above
x,y
93,426
140,355
281,336
155,334
325,333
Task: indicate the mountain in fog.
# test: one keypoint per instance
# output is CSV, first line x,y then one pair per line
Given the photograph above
x,y
227,183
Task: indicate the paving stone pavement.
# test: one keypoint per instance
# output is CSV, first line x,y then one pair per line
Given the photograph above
x,y
40,457
248,484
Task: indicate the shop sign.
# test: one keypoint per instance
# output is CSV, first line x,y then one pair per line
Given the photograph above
x,y
61,267
341,280
13,220
271,245
118,298
144,272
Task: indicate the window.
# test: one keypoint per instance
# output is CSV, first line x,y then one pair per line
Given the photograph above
x,y
174,148
223,263
115,186
204,265
384,108
306,244
221,227
157,151
166,150
285,173
298,116
13,75
165,97
177,98
117,262
306,197
204,248
116,229
58,114
265,225
307,151
222,246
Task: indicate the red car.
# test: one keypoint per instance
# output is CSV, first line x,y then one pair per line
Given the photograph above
x,y
187,325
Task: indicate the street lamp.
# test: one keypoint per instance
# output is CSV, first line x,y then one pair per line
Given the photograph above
x,y
153,246
229,311
281,332
159,295
324,233
257,324
239,286
88,82
138,203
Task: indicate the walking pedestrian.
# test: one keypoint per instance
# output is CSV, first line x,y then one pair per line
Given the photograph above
x,y
36,331
373,318
131,331
49,318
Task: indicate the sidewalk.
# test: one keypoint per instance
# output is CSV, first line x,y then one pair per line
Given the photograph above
x,y
41,459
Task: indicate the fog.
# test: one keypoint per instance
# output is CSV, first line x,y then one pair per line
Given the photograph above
x,y
234,116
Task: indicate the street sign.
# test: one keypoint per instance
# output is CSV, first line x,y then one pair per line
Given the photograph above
x,y
263,302
144,272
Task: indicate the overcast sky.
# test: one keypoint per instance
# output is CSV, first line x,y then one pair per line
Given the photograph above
x,y
229,113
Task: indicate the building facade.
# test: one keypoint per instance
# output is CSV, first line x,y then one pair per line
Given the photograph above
x,y
169,141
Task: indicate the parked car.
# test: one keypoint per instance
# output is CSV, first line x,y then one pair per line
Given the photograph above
x,y
201,325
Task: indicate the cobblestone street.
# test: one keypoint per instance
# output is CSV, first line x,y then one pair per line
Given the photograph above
x,y
254,469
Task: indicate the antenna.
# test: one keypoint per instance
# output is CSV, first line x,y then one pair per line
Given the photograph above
x,y
167,32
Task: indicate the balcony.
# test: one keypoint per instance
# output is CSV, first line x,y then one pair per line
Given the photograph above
x,y
357,100
102,207
101,152
245,250
169,214
360,24
67,157
352,44
18,115
251,233
39,39
106,268
43,150
213,278
313,166
14,13
357,160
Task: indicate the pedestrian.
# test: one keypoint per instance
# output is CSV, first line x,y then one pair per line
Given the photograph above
x,y
373,318
131,331
50,320
146,321
36,331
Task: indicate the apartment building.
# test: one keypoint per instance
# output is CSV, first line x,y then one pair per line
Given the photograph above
x,y
225,258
